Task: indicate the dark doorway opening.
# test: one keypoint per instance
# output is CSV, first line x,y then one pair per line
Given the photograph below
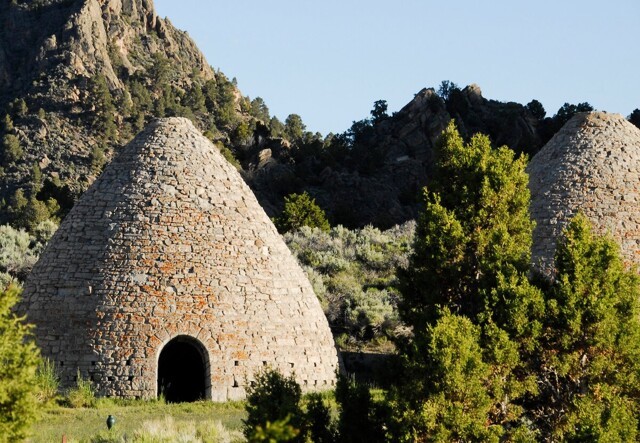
x,y
182,371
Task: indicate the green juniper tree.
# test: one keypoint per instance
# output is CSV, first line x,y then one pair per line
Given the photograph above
x,y
11,149
452,383
301,210
18,362
103,119
294,127
470,264
273,399
260,110
589,364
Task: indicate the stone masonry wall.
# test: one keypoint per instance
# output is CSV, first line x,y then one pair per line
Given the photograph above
x,y
170,241
591,165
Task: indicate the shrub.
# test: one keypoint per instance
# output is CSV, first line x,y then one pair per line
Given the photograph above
x,y
47,380
16,254
83,395
357,422
43,233
11,149
320,425
6,280
278,431
18,362
272,399
354,275
97,159
301,210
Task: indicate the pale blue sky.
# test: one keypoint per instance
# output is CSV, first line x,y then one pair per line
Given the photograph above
x,y
330,60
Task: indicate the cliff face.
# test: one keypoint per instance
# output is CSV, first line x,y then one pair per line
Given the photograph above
x,y
52,52
66,39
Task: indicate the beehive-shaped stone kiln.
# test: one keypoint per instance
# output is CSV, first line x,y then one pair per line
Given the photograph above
x,y
168,277
591,165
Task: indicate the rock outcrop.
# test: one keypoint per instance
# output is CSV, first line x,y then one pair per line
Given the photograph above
x,y
592,165
71,39
379,181
52,52
168,249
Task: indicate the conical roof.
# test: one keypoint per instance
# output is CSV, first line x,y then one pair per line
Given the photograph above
x,y
591,165
169,242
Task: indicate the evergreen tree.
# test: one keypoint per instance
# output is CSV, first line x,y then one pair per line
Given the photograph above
x,y
473,240
452,368
220,98
634,118
243,134
276,127
11,149
142,105
301,210
20,108
18,362
357,422
589,367
104,112
195,99
446,88
273,398
536,109
28,213
34,213
260,110
97,159
379,111
568,110
160,70
36,179
319,424
7,124
294,127
471,260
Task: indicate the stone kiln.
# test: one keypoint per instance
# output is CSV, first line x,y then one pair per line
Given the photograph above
x,y
591,165
167,276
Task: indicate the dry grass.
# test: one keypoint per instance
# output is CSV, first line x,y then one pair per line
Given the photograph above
x,y
142,422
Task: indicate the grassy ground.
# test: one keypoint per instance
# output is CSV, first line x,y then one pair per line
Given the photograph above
x,y
139,420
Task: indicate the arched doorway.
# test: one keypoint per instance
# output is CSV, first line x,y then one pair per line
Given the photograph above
x,y
182,370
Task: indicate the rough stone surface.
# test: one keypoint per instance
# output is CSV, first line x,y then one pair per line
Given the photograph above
x,y
591,165
169,241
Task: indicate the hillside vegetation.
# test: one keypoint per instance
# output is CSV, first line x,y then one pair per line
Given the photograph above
x,y
79,78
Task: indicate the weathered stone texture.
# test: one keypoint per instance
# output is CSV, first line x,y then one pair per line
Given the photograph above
x,y
591,165
169,241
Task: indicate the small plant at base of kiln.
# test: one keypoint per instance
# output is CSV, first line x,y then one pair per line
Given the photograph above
x,y
47,380
83,395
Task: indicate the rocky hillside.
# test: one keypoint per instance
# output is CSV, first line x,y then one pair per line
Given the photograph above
x,y
47,42
79,78
373,173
